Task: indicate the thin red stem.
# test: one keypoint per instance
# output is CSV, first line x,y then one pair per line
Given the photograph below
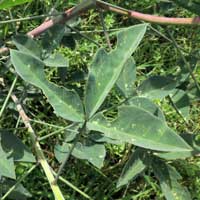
x,y
83,7
147,17
165,20
70,13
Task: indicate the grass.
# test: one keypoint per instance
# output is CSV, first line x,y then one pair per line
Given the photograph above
x,y
156,55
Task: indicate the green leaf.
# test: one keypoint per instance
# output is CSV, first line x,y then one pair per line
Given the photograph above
x,y
182,102
168,178
137,126
6,4
7,167
51,39
136,164
27,45
183,74
193,93
16,149
66,103
18,193
126,80
190,139
62,74
100,138
106,67
94,153
148,106
156,87
71,133
69,41
56,60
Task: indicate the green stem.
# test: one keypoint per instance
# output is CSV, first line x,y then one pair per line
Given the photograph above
x,y
29,18
82,35
105,29
98,31
17,124
185,61
12,129
45,123
56,132
39,153
177,110
8,96
73,186
13,25
82,129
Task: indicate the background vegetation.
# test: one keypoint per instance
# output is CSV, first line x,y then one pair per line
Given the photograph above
x,y
157,54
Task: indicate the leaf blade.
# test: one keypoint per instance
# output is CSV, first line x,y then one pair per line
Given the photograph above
x,y
7,167
106,67
20,152
190,139
147,105
94,153
62,99
156,87
27,45
168,178
136,164
127,78
6,4
56,60
129,127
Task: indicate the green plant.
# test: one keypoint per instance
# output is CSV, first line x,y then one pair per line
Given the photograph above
x,y
135,119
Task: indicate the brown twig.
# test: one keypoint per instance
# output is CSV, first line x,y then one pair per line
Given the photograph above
x,y
69,14
147,17
86,5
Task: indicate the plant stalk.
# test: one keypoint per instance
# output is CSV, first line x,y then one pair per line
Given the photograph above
x,y
82,129
73,12
29,18
105,29
73,187
148,17
86,5
8,96
39,153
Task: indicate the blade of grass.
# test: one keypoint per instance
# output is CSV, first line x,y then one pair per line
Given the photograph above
x,y
45,123
8,96
55,133
29,18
